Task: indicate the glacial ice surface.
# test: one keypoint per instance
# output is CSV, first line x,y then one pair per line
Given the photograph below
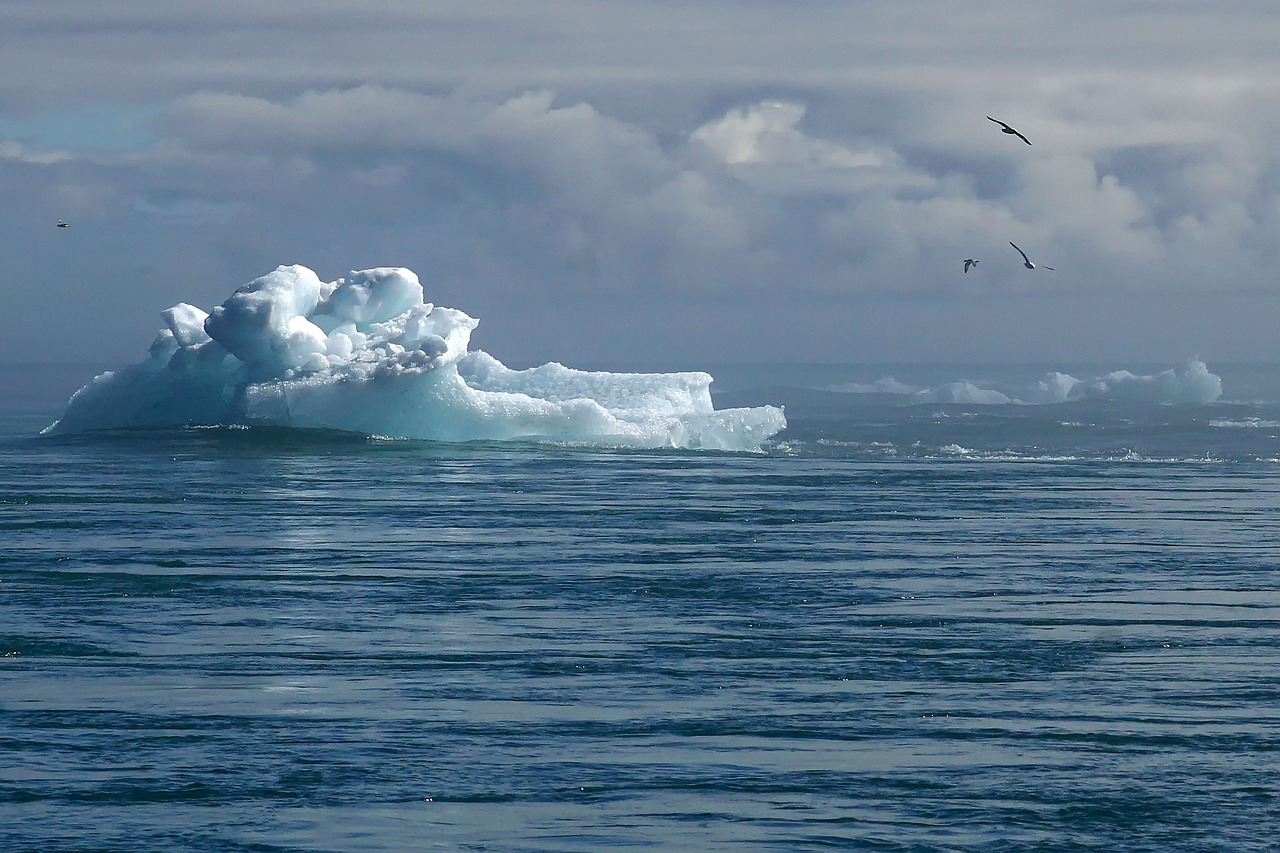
x,y
366,354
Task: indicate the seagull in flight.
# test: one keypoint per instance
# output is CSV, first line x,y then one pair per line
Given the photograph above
x,y
969,262
61,224
1004,128
1026,262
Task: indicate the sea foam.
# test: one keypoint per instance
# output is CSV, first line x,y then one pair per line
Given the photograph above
x,y
366,354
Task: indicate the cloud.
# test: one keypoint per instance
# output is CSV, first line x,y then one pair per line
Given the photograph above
x,y
767,134
722,154
562,195
17,152
562,184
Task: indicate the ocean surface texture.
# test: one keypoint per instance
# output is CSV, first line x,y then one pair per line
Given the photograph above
x,y
944,610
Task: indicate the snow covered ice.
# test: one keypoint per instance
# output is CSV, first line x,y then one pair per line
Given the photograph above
x,y
366,354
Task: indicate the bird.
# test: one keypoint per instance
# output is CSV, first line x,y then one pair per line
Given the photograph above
x,y
61,224
1026,262
1004,128
969,262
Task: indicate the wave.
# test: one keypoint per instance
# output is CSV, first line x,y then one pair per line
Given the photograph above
x,y
1245,423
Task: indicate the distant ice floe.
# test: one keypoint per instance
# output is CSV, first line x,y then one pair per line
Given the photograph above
x,y
366,354
1190,382
1244,423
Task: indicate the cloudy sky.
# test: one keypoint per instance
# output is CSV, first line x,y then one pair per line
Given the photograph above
x,y
613,183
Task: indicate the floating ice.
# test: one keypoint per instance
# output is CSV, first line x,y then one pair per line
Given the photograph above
x,y
968,393
1190,382
365,354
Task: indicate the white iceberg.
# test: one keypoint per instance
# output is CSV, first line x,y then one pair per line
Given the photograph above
x,y
1189,382
366,354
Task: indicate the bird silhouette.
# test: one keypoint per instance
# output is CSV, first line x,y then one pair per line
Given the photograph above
x,y
1004,128
969,262
61,224
1026,262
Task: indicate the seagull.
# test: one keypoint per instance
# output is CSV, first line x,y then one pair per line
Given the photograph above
x,y
61,224
1026,262
969,262
1004,128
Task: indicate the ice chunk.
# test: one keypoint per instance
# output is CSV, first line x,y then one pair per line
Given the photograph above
x,y
375,296
254,324
366,354
186,322
1190,382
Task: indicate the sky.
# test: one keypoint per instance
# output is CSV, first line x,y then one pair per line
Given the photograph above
x,y
657,184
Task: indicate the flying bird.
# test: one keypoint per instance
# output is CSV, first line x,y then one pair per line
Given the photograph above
x,y
61,224
1004,128
969,262
1026,262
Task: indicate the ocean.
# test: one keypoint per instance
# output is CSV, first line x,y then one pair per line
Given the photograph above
x,y
930,615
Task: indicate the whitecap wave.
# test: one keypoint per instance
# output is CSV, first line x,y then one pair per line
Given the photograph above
x,y
1244,423
366,354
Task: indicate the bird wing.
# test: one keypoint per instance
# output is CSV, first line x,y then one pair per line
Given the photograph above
x,y
1043,267
1009,129
1020,252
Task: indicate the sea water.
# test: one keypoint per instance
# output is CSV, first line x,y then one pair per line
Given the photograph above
x,y
915,620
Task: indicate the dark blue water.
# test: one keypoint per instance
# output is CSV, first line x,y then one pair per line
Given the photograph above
x,y
902,627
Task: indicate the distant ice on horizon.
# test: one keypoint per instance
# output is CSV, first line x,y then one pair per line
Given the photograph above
x,y
366,354
1189,382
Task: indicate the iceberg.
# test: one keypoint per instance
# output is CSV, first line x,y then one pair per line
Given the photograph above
x,y
366,354
1189,382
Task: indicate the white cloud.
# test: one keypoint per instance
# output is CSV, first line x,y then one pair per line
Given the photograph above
x,y
17,152
742,201
718,151
768,134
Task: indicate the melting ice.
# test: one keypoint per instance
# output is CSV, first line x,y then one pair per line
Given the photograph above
x,y
366,354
